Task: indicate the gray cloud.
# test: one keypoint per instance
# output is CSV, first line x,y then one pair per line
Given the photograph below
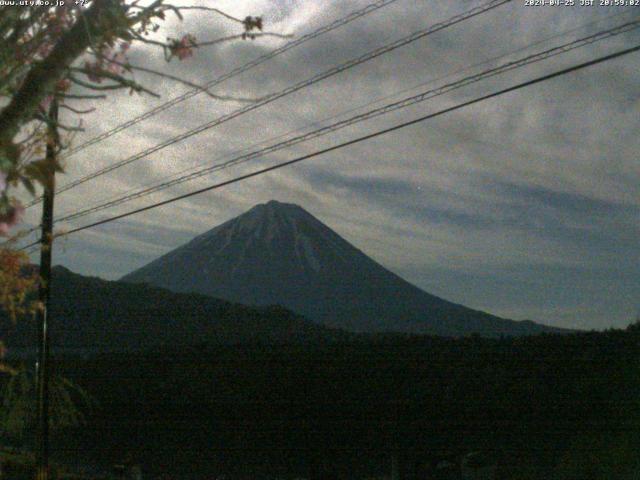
x,y
526,206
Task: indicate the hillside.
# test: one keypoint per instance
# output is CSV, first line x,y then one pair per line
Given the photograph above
x,y
278,253
94,314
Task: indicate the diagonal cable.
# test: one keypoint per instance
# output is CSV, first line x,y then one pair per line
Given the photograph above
x,y
291,89
237,71
421,97
278,166
319,123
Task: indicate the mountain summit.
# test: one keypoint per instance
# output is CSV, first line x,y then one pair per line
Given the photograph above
x,y
278,253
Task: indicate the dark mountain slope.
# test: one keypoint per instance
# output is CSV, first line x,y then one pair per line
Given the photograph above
x,y
278,253
90,313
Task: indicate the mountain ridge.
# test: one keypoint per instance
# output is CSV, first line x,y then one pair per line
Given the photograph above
x,y
278,253
100,315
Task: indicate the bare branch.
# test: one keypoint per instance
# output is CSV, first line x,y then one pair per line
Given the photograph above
x,y
208,9
239,36
37,129
68,128
121,82
44,75
146,13
184,82
242,36
149,41
71,96
75,110
82,83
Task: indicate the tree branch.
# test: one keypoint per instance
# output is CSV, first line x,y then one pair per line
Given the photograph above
x,y
82,83
78,111
121,81
42,78
242,36
183,81
71,96
208,9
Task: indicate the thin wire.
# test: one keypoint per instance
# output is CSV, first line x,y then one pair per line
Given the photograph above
x,y
533,58
151,188
198,166
243,68
294,88
354,141
212,83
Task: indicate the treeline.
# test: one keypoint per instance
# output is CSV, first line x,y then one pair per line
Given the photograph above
x,y
549,406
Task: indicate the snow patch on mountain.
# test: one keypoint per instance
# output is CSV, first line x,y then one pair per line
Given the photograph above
x,y
278,253
308,252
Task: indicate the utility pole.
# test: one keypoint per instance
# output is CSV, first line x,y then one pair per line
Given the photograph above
x,y
46,244
395,445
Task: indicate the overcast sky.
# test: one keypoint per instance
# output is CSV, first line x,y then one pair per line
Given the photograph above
x,y
526,206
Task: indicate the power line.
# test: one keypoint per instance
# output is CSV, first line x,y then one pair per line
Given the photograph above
x,y
157,186
117,200
294,88
212,83
243,68
354,141
533,58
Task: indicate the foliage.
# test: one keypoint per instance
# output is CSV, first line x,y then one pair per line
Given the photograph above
x,y
74,53
550,406
68,404
60,58
16,283
213,387
17,385
91,313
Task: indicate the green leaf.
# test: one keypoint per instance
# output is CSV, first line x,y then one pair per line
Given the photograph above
x,y
9,156
28,184
57,166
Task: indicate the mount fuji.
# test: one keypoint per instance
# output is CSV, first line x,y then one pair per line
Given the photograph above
x,y
279,254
